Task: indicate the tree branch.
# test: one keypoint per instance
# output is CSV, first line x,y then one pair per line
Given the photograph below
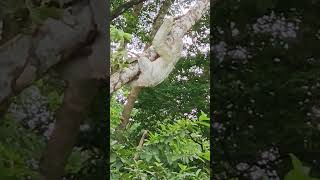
x,y
77,99
121,9
60,44
141,142
182,25
123,77
159,19
134,93
25,58
128,107
83,75
187,21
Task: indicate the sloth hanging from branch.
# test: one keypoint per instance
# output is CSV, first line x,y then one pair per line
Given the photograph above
x,y
168,49
157,62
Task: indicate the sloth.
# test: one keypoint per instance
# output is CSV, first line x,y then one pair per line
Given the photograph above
x,y
168,49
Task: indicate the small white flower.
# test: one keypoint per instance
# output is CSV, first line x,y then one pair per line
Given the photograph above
x,y
235,32
84,127
276,60
242,166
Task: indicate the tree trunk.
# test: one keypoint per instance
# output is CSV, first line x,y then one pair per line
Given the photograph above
x,y
77,99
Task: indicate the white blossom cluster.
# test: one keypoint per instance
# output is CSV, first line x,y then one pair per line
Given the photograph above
x,y
198,71
263,169
257,173
114,46
270,155
242,166
120,97
277,26
234,30
314,112
31,109
239,53
193,115
180,77
220,50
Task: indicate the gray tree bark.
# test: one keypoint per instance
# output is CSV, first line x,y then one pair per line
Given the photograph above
x,y
75,46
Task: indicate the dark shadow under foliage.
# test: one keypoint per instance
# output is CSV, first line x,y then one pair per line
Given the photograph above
x,y
264,97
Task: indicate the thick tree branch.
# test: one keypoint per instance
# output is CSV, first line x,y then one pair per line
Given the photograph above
x,y
77,99
25,58
134,93
125,116
141,142
182,25
83,75
123,77
76,45
120,10
159,19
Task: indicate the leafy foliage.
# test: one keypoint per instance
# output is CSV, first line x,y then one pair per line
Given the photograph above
x,y
16,162
25,15
177,150
119,57
299,172
177,144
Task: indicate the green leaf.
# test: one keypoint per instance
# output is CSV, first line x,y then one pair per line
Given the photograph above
x,y
203,117
157,158
127,36
182,167
203,123
296,175
206,155
299,172
113,157
297,164
197,172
